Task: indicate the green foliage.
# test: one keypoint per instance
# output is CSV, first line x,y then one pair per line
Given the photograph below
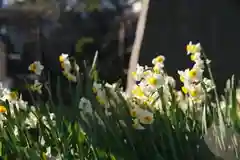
x,y
89,128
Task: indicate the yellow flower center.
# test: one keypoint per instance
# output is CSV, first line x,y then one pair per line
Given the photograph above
x,y
61,58
33,67
159,59
192,73
184,89
193,93
192,48
148,119
13,95
3,109
152,80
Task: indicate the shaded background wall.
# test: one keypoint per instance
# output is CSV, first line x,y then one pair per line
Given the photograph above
x,y
171,24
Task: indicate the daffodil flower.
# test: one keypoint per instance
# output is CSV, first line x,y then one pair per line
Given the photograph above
x,y
158,63
144,116
11,96
63,57
36,67
158,60
155,80
196,93
193,48
2,109
195,74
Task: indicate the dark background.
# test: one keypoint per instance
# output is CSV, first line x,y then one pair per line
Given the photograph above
x,y
215,24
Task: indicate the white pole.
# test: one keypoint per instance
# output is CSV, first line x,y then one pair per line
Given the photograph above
x,y
137,44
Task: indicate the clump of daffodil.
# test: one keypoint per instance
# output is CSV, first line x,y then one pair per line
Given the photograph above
x,y
36,67
192,79
151,90
15,101
150,80
69,70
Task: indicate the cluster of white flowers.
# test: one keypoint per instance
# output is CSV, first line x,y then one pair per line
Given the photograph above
x,y
192,79
15,104
152,89
14,100
68,68
150,80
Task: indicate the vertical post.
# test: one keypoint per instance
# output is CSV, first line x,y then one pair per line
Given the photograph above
x,y
137,45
